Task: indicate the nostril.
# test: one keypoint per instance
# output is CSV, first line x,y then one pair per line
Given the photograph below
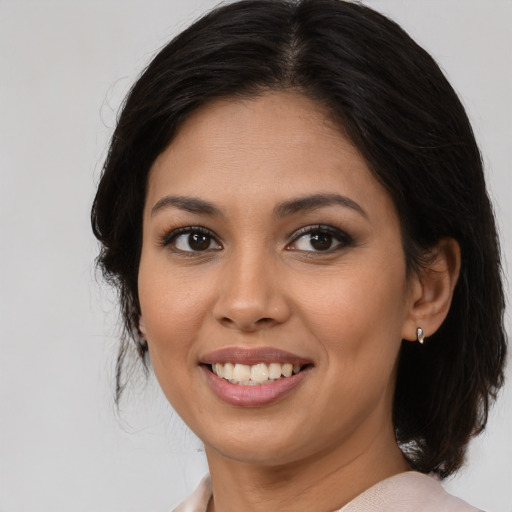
x,y
247,324
226,321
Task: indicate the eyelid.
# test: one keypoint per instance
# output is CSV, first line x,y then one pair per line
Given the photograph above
x,y
171,235
340,235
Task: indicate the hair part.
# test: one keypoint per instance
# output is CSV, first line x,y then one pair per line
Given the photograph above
x,y
391,100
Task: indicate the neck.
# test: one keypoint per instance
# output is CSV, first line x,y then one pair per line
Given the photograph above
x,y
324,482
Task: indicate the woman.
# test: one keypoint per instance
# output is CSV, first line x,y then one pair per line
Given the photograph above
x,y
294,211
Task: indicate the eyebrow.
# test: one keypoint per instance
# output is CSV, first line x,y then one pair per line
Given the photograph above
x,y
189,204
313,202
293,206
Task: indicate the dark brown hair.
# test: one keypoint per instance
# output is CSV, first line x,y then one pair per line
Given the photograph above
x,y
397,108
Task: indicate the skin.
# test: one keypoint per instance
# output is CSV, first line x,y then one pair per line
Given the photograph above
x,y
260,284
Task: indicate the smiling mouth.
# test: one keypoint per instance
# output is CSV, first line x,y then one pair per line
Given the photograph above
x,y
255,375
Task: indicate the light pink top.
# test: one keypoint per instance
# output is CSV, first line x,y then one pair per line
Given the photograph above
x,y
406,492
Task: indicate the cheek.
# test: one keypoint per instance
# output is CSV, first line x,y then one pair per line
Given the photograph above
x,y
173,309
357,315
173,312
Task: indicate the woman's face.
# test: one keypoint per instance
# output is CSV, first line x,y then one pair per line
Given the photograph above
x,y
268,244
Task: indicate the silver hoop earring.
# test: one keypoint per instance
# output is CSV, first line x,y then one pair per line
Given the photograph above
x,y
421,335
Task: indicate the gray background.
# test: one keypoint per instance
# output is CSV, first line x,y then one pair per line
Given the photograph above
x,y
64,68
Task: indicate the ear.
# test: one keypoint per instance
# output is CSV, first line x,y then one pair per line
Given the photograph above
x,y
431,290
142,326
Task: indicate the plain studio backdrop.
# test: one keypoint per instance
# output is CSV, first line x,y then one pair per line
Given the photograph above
x,y
65,67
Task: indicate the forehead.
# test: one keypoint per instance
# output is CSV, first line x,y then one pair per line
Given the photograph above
x,y
269,147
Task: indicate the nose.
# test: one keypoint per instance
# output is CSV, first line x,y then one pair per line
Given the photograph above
x,y
250,296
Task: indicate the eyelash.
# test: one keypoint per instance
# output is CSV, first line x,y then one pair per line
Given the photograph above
x,y
343,238
169,238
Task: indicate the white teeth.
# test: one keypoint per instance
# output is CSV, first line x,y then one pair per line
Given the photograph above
x,y
274,370
287,369
261,373
241,372
228,371
219,370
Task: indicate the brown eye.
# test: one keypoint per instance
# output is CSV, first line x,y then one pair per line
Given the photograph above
x,y
192,240
321,241
199,241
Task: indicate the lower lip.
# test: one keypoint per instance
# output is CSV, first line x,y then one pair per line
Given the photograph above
x,y
252,396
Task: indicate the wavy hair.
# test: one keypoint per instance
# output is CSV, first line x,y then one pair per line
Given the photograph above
x,y
391,100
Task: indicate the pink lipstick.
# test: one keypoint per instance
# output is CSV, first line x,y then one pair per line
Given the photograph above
x,y
253,377
252,356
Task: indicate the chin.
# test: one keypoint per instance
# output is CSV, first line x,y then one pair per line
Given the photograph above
x,y
261,445
256,454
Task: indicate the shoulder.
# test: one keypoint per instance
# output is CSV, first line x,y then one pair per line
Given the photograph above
x,y
408,492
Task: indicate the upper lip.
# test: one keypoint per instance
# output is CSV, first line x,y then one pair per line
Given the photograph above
x,y
251,356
